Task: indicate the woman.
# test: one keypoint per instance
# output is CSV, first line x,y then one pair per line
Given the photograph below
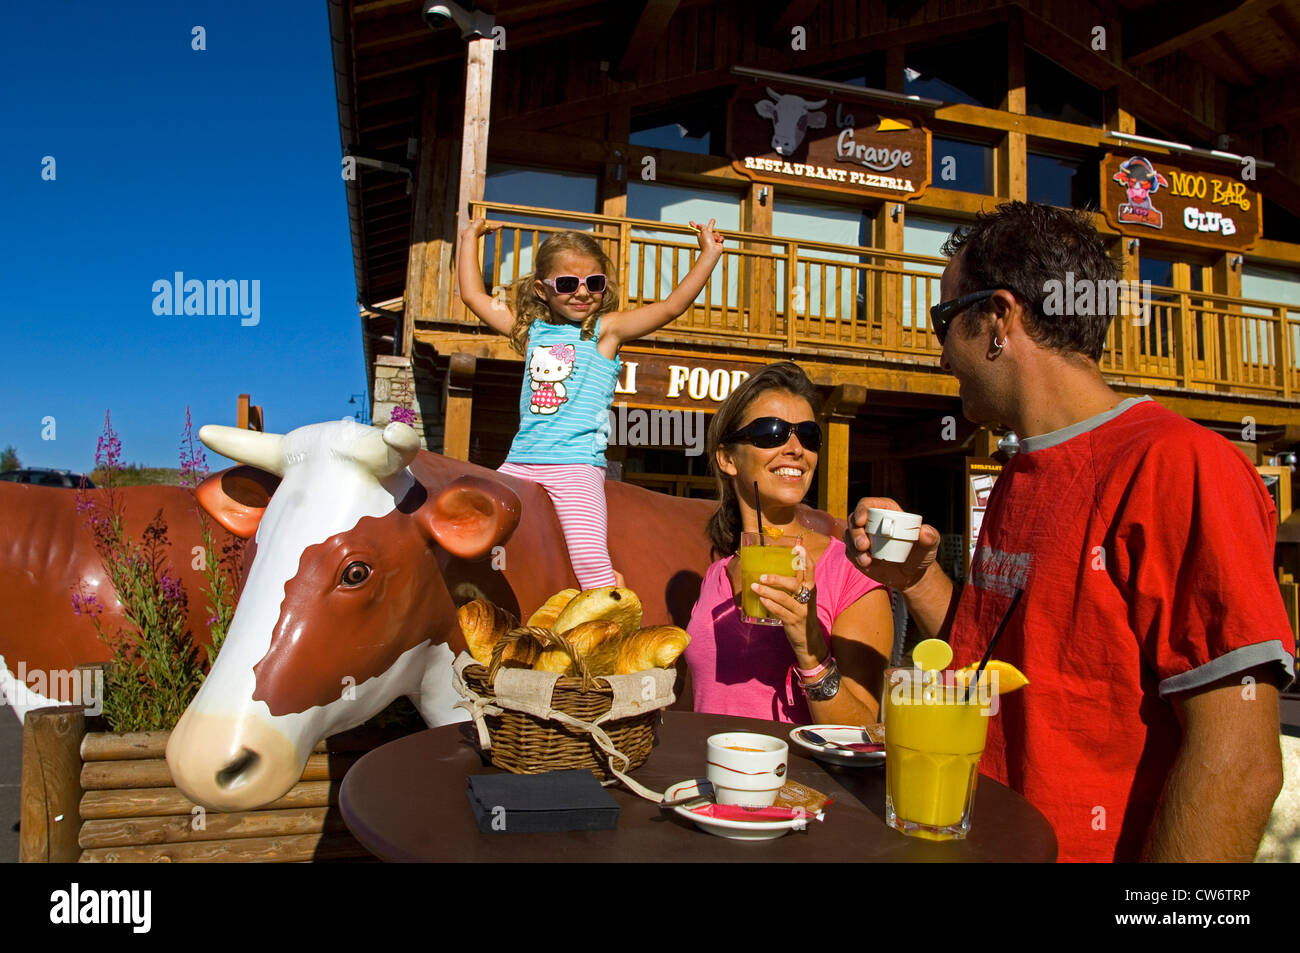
x,y
826,664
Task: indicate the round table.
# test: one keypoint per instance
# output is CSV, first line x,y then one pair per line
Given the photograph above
x,y
407,801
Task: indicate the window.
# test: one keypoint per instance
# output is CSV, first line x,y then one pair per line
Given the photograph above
x,y
562,191
960,72
685,127
1055,93
1276,285
963,166
1279,224
1063,181
654,259
922,236
823,288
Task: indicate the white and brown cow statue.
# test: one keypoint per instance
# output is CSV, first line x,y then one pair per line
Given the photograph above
x,y
364,547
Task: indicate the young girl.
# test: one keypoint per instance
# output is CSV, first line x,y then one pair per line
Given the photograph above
x,y
564,324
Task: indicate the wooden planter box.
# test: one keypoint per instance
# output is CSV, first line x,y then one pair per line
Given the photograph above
x,y
93,796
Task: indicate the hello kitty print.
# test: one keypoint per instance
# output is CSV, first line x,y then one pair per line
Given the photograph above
x,y
548,368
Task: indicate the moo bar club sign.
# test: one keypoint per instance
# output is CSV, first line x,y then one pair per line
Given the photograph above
x,y
1146,197
778,135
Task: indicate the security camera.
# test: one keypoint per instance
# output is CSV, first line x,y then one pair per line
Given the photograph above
x,y
470,22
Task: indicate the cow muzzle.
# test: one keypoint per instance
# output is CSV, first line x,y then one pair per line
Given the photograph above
x,y
228,763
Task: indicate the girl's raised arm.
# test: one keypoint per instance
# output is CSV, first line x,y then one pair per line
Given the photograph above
x,y
642,321
491,311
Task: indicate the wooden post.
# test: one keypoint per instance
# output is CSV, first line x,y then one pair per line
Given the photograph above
x,y
458,398
986,443
888,298
838,414
418,262
478,111
49,814
758,287
248,416
1012,153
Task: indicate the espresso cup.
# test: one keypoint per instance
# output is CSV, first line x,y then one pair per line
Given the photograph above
x,y
746,769
892,533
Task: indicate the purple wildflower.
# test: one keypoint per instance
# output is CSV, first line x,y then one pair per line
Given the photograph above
x,y
108,451
402,415
194,462
171,587
86,604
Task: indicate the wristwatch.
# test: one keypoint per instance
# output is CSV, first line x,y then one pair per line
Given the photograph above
x,y
825,688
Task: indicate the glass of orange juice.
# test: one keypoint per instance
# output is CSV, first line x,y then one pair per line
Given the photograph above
x,y
759,555
934,737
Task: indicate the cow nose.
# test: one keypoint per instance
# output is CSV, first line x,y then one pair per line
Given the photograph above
x,y
238,769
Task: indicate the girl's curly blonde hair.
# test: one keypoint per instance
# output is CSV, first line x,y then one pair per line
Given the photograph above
x,y
529,307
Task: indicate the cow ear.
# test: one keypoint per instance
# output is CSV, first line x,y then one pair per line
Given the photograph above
x,y
472,515
237,498
765,108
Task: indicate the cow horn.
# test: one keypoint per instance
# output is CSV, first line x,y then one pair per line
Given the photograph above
x,y
262,450
773,93
387,452
817,105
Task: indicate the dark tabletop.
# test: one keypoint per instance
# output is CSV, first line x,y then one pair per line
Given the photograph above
x,y
407,801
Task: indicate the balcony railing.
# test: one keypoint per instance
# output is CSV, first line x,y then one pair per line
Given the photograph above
x,y
793,295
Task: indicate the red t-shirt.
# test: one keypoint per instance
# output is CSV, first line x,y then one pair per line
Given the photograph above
x,y
1144,544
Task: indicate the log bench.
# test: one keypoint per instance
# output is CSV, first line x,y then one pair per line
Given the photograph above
x,y
92,796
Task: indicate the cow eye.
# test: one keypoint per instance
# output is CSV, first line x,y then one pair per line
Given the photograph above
x,y
355,574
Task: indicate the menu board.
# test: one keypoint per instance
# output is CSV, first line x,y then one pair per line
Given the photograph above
x,y
981,474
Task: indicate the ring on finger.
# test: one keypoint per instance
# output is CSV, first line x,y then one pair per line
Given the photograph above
x,y
803,595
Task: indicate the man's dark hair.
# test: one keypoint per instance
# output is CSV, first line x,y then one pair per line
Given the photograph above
x,y
1022,246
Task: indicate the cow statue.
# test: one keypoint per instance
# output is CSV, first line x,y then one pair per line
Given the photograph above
x,y
792,116
364,546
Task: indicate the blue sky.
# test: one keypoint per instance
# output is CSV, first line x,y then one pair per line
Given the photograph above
x,y
220,164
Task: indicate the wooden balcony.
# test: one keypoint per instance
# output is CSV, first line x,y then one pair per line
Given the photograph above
x,y
794,296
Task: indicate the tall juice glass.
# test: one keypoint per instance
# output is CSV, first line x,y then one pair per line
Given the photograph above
x,y
933,742
759,555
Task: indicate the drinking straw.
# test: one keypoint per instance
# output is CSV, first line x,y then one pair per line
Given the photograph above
x,y
988,653
759,507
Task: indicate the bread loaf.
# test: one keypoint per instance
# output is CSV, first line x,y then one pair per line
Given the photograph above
x,y
544,618
655,647
483,623
607,602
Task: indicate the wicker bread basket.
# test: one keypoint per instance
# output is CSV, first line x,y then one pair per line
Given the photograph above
x,y
527,742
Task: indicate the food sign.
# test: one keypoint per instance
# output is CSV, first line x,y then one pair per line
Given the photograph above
x,y
1144,196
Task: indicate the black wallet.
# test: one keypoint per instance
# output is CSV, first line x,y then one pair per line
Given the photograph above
x,y
529,803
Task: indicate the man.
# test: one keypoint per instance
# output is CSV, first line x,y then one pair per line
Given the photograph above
x,y
1151,627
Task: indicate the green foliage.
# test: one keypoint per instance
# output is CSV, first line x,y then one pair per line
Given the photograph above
x,y
9,460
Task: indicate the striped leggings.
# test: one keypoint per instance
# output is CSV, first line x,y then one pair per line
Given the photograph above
x,y
577,491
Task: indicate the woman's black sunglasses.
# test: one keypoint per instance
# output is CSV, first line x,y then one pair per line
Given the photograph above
x,y
769,432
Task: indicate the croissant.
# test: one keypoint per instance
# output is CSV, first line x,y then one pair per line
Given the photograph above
x,y
545,617
655,647
584,638
483,623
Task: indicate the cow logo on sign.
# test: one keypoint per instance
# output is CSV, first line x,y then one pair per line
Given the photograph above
x,y
1140,181
792,117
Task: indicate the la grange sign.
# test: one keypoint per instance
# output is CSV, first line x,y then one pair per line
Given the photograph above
x,y
783,137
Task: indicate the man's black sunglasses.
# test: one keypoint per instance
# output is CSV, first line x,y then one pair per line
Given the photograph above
x,y
942,314
769,432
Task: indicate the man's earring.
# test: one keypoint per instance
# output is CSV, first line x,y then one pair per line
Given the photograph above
x,y
999,345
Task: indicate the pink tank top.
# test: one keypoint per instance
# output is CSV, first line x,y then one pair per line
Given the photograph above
x,y
742,669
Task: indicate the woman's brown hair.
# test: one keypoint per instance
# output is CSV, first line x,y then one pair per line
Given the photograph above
x,y
724,526
529,307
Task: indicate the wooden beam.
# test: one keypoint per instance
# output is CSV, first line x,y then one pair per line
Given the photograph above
x,y
1286,23
786,17
646,34
458,399
1271,104
838,414
478,114
1156,31
1238,68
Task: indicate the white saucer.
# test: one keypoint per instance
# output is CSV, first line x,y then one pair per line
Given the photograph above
x,y
736,830
844,734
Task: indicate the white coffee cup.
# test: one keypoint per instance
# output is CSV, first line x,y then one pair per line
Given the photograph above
x,y
747,769
892,533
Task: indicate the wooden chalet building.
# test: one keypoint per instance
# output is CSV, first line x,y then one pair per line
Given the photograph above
x,y
837,144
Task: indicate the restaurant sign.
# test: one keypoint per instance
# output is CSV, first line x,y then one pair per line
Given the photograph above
x,y
652,379
1148,197
778,136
